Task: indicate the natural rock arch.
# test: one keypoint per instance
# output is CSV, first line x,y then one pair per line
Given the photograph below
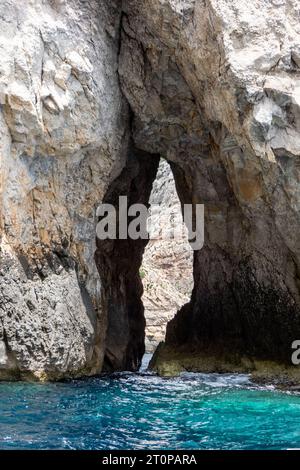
x,y
214,88
220,124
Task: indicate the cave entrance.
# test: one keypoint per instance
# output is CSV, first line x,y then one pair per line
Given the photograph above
x,y
123,271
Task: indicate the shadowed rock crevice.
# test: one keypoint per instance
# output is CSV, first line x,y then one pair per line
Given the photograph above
x,y
118,262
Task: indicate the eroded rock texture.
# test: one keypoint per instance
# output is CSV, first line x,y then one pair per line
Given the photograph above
x,y
63,125
167,267
213,86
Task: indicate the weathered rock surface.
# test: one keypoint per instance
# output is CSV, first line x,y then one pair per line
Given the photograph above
x,y
63,127
213,87
167,268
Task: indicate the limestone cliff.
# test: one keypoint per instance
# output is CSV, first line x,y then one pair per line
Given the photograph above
x,y
167,268
63,126
92,94
214,88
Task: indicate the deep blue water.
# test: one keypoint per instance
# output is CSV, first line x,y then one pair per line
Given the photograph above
x,y
142,411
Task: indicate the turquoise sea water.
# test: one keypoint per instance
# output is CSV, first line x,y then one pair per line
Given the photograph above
x,y
142,411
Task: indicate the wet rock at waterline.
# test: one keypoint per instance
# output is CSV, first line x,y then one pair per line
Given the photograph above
x,y
92,95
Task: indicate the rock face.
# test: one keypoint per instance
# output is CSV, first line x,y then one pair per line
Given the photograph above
x,y
63,127
167,268
213,86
